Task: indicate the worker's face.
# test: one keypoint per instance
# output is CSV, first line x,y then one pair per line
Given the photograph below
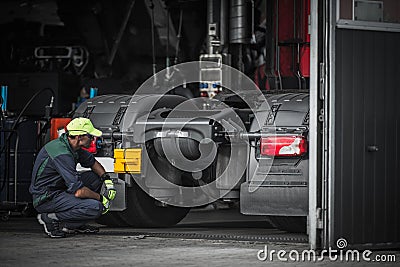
x,y
86,140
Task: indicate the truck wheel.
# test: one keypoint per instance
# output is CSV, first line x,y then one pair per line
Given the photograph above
x,y
292,224
111,218
142,210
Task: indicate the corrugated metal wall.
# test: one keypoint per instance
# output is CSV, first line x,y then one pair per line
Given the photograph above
x,y
367,96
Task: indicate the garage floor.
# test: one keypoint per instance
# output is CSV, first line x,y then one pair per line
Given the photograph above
x,y
23,243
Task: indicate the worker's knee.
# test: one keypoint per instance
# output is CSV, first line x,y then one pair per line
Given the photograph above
x,y
94,209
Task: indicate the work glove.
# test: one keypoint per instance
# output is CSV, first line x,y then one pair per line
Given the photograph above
x,y
105,176
109,189
106,204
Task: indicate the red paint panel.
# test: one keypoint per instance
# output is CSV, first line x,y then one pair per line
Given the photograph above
x,y
285,34
305,50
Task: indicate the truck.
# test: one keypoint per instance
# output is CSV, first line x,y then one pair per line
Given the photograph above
x,y
239,142
304,137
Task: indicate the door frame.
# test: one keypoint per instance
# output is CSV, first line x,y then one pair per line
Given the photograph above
x,y
315,138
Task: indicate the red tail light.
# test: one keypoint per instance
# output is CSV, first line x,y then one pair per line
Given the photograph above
x,y
203,94
289,146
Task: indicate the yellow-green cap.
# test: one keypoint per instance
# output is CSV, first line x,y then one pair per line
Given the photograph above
x,y
80,126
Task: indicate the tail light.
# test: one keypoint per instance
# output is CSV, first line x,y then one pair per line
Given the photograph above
x,y
289,146
203,94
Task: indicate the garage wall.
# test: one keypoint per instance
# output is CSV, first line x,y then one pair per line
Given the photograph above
x,y
367,95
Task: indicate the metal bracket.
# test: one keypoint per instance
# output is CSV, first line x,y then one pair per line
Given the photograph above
x,y
322,81
320,222
119,203
321,115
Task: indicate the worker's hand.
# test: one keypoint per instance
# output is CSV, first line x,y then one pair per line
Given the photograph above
x,y
109,191
106,204
104,177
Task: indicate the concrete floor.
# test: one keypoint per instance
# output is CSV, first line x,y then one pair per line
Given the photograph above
x,y
23,243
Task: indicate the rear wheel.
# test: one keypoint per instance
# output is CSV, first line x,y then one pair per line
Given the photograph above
x,y
293,224
142,210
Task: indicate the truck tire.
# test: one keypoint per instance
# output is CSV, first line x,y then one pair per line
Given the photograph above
x,y
292,224
142,211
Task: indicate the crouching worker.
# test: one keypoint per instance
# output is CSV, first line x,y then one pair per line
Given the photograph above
x,y
65,199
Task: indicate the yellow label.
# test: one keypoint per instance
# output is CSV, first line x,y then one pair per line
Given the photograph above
x,y
127,160
133,153
119,153
119,166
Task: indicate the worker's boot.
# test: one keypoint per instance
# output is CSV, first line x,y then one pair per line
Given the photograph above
x,y
51,226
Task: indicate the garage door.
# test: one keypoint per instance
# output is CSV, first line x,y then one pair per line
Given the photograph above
x,y
364,193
